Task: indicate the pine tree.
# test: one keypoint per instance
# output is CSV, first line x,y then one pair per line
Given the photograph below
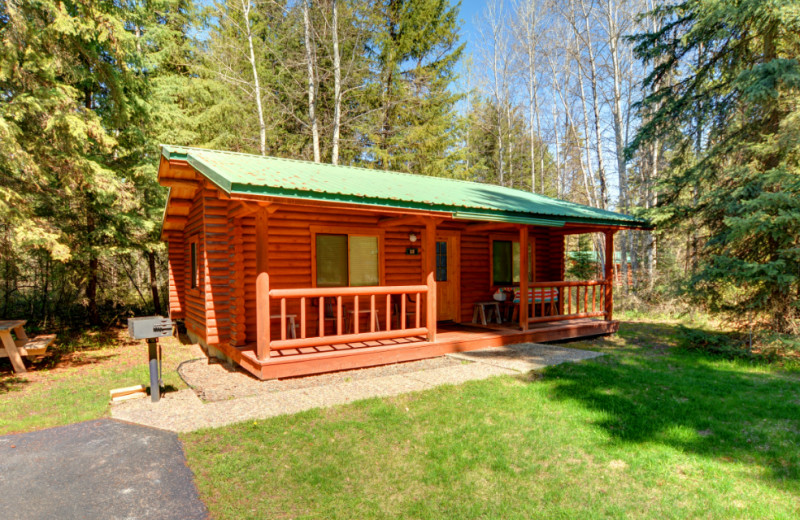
x,y
415,48
732,114
67,88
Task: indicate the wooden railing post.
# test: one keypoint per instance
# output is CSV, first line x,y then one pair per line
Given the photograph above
x,y
262,286
523,278
262,316
609,276
430,278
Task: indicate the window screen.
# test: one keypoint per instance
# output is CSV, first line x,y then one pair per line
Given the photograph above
x,y
193,255
331,260
364,261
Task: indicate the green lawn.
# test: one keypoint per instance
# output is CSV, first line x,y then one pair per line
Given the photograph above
x,y
72,382
648,431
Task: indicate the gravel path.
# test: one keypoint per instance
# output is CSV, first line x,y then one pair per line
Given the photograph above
x,y
221,395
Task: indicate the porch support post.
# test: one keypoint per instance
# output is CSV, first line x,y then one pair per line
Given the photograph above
x,y
523,278
262,285
430,277
609,276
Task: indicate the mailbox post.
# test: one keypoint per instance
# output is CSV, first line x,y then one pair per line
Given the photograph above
x,y
151,328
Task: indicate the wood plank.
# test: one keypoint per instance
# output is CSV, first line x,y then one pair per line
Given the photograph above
x,y
174,182
128,390
12,352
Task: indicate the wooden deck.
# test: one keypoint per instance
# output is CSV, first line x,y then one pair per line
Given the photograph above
x,y
449,338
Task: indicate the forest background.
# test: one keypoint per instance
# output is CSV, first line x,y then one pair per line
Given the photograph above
x,y
684,112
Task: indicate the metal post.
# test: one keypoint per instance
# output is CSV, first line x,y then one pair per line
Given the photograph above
x,y
155,372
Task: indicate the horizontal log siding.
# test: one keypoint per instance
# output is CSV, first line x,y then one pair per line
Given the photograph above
x,y
216,267
177,275
249,277
195,309
289,251
475,272
223,308
476,284
237,262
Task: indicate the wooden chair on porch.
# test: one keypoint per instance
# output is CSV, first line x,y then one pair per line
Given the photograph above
x,y
536,296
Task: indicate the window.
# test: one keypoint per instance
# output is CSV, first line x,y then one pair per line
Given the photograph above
x,y
505,262
441,261
347,260
194,274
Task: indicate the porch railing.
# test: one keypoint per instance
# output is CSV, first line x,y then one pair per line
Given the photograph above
x,y
332,306
556,301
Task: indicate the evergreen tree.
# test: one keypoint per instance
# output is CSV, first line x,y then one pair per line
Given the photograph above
x,y
415,48
66,90
732,115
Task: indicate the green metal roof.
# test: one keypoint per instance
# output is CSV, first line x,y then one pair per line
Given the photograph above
x,y
245,174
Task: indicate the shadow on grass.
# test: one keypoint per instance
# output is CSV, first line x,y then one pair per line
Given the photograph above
x,y
692,402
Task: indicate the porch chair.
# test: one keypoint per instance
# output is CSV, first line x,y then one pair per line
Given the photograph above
x,y
535,296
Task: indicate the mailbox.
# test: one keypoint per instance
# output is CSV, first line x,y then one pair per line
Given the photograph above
x,y
149,327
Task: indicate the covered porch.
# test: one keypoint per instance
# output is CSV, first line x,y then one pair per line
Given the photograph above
x,y
311,330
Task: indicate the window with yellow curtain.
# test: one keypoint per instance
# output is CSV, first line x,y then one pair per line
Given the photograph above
x,y
347,260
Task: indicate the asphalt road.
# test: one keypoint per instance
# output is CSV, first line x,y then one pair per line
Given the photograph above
x,y
103,469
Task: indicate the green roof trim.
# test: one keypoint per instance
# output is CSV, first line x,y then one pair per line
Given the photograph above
x,y
246,174
491,217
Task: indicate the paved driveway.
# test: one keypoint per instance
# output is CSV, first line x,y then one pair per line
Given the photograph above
x,y
103,469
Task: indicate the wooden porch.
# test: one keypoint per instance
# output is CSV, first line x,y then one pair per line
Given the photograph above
x,y
397,330
451,337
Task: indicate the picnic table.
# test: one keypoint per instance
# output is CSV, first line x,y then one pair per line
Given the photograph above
x,y
14,349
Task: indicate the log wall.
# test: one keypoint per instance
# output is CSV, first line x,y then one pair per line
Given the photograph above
x,y
195,314
222,309
177,275
476,276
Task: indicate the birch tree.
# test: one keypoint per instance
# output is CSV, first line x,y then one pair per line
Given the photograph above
x,y
312,78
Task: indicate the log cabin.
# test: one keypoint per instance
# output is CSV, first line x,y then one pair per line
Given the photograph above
x,y
292,268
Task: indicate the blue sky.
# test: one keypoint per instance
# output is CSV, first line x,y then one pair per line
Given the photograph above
x,y
469,10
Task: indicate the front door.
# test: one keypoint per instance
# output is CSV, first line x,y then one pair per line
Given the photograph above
x,y
448,271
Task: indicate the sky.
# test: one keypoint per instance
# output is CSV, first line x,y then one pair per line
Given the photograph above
x,y
470,9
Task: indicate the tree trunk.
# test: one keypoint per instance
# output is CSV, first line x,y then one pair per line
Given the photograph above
x,y
256,85
45,290
151,263
337,85
312,81
91,291
616,108
601,169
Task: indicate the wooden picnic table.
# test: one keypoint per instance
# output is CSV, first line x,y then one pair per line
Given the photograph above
x,y
22,346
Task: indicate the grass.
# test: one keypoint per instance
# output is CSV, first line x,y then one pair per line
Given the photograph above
x,y
72,382
649,430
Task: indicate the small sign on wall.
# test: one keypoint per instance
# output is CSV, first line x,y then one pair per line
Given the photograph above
x,y
412,250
